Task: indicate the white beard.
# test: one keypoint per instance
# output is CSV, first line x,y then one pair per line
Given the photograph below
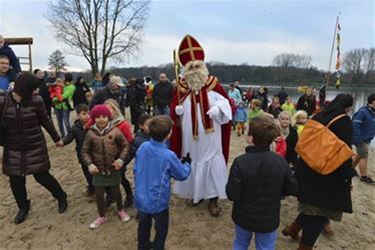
x,y
196,79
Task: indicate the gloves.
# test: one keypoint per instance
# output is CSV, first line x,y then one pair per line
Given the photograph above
x,y
179,110
186,159
214,111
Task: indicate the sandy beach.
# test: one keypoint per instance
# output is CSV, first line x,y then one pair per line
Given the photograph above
x,y
190,227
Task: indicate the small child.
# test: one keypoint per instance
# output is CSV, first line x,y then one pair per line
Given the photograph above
x,y
258,179
56,89
280,142
291,135
124,126
155,165
288,106
142,136
104,151
240,118
255,109
78,133
300,119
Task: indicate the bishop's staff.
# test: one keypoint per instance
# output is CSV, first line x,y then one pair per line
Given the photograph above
x,y
176,66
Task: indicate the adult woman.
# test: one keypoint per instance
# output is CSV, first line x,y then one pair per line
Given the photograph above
x,y
25,149
64,107
324,197
79,95
43,90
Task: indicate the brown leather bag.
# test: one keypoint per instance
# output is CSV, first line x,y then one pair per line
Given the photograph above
x,y
321,149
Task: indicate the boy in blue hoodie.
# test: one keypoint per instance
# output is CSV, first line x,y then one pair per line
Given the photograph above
x,y
155,165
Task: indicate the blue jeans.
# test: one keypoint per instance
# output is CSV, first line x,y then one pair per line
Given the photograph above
x,y
62,116
144,230
263,241
161,110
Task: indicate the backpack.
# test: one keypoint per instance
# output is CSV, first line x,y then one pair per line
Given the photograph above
x,y
321,149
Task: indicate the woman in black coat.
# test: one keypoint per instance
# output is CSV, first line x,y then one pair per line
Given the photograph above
x,y
324,197
25,148
79,96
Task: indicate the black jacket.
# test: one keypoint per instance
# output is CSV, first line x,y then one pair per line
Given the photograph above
x,y
162,95
25,149
101,95
77,133
79,96
291,142
135,144
135,97
330,191
257,181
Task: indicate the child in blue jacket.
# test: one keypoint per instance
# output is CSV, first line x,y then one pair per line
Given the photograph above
x,y
240,118
155,165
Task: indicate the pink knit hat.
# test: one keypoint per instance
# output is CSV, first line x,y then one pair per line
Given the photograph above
x,y
100,109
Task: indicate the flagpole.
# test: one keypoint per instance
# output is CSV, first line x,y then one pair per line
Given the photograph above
x,y
330,57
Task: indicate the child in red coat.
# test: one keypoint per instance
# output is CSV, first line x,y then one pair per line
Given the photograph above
x,y
56,89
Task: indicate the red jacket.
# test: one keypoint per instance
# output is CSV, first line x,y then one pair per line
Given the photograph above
x,y
281,146
55,91
126,130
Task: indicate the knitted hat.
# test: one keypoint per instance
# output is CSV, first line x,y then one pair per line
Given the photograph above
x,y
100,109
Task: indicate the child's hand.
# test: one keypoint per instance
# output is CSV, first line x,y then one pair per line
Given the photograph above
x,y
60,143
117,164
93,169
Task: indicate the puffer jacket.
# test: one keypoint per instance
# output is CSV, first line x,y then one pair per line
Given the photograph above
x,y
77,133
257,181
103,148
25,149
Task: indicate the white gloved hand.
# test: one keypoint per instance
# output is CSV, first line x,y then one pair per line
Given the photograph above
x,y
179,110
214,111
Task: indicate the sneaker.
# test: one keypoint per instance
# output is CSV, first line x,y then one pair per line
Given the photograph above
x,y
123,215
367,179
98,222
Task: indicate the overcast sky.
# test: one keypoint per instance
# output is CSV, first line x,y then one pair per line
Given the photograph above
x,y
234,32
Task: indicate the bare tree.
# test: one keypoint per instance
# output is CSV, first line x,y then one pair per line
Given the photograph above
x,y
57,61
292,60
99,30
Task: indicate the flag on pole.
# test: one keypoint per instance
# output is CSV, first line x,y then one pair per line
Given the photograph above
x,y
338,59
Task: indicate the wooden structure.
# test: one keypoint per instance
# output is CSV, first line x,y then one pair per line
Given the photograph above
x,y
23,41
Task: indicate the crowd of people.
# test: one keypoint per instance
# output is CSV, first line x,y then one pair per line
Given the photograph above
x,y
181,131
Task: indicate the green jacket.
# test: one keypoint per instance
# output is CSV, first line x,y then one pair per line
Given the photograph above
x,y
254,113
68,93
289,107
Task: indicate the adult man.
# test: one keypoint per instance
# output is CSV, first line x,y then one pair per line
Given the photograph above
x,y
282,95
202,114
162,95
7,75
307,102
363,133
111,91
7,51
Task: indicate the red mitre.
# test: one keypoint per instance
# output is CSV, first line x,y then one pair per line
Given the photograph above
x,y
190,50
